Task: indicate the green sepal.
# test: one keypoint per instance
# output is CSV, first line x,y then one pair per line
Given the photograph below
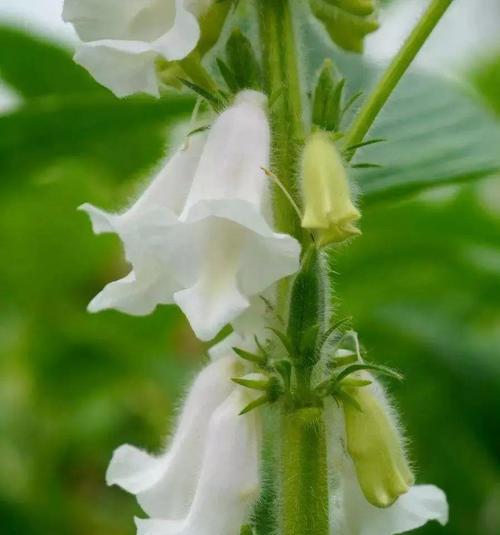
x,y
215,100
284,368
242,61
356,383
247,529
283,338
261,348
260,360
326,336
356,146
327,98
339,362
344,397
228,75
383,370
254,404
253,384
350,102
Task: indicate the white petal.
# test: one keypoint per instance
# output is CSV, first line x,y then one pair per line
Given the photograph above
x,y
153,244
229,479
182,37
235,263
137,298
125,38
166,485
171,186
142,20
237,148
123,72
421,504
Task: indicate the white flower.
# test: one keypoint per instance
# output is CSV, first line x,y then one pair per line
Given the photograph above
x,y
198,236
352,514
207,480
125,38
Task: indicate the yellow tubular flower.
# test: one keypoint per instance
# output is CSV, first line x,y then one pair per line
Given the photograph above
x,y
375,446
329,209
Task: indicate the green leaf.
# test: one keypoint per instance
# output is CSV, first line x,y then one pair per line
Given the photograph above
x,y
34,67
436,134
124,136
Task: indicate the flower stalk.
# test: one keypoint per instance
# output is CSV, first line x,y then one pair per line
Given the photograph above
x,y
399,65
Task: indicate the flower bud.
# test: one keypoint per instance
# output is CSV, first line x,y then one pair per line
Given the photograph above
x,y
329,209
375,446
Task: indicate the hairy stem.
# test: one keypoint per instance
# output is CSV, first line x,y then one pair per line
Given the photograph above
x,y
282,80
385,86
304,487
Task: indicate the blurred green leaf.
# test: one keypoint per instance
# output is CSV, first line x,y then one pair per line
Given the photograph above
x,y
35,67
436,134
485,76
66,114
122,135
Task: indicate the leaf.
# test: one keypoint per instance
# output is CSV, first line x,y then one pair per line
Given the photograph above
x,y
34,67
122,135
436,135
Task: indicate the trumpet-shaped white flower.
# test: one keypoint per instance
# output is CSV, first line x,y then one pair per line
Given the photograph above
x,y
125,38
352,514
198,236
205,483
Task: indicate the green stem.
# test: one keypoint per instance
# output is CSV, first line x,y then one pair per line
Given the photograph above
x,y
385,86
304,487
279,53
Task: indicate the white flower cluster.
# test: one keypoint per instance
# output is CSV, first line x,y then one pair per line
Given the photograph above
x,y
201,236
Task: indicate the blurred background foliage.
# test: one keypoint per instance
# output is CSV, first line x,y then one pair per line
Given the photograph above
x,y
422,285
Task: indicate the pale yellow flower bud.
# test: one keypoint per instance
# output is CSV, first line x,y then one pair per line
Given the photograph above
x,y
329,209
375,445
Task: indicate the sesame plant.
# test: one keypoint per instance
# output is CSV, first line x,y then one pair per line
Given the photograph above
x,y
287,429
